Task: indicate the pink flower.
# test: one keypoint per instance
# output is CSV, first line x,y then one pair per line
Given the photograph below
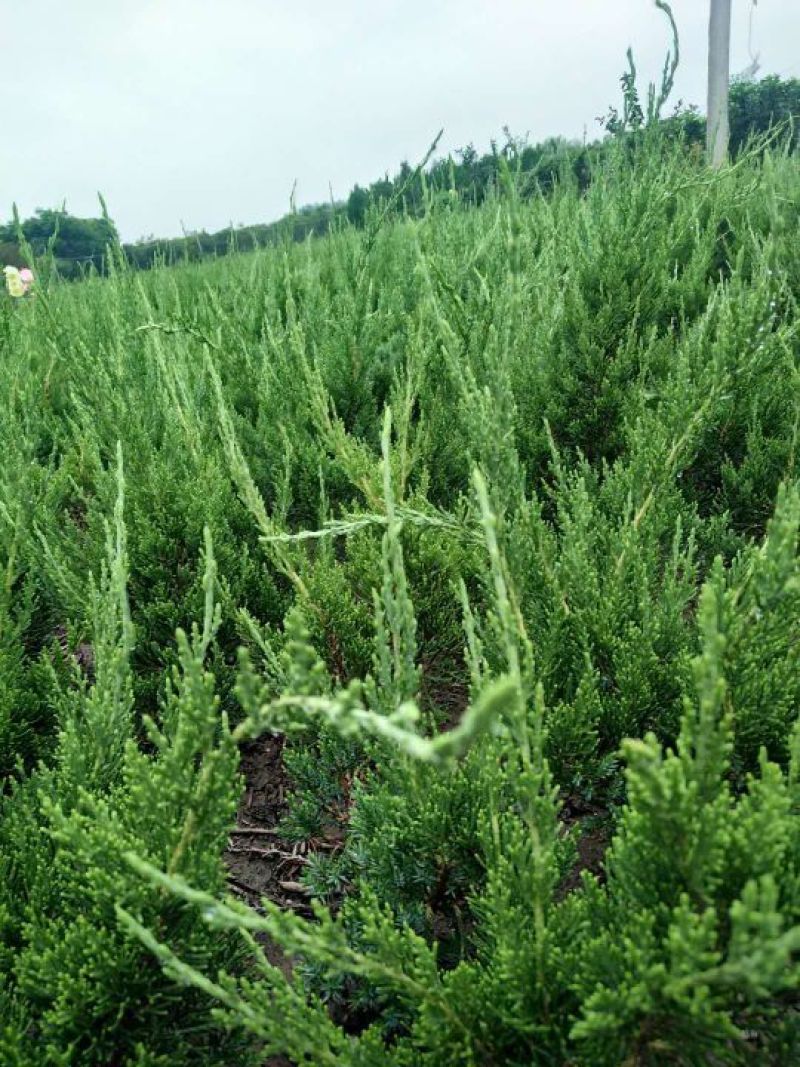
x,y
16,287
18,282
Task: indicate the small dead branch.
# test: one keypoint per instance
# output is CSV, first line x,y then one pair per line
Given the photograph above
x,y
252,850
295,887
258,831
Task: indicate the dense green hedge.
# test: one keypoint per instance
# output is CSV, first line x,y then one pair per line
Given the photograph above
x,y
502,503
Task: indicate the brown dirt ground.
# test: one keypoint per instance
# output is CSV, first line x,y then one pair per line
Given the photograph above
x,y
260,862
593,838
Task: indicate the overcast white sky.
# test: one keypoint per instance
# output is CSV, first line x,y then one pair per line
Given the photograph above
x,y
205,111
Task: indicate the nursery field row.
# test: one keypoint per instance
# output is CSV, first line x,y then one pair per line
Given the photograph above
x,y
400,637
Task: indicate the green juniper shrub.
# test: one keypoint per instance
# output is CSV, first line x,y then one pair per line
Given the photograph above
x,y
545,714
684,951
90,995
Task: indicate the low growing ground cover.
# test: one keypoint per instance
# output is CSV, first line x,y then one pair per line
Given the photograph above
x,y
399,638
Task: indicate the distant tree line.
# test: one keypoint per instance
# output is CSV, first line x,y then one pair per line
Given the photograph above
x,y
77,245
311,220
74,245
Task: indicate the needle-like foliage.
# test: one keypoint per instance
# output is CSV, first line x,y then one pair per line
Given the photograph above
x,y
491,514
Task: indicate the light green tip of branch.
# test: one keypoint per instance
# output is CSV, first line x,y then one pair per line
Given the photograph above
x,y
496,701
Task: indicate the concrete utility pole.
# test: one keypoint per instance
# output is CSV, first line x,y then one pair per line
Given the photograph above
x,y
719,62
